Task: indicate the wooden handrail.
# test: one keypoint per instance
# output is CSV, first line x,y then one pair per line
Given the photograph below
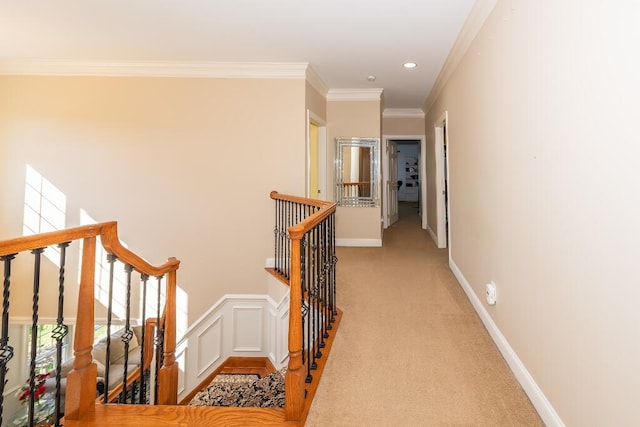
x,y
295,376
298,230
311,202
81,381
356,183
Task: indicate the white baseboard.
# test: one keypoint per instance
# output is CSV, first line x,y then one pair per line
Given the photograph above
x,y
537,397
359,242
433,235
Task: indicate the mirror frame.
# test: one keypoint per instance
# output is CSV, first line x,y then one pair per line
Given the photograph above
x,y
354,199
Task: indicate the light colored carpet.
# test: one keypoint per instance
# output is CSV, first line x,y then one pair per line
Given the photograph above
x,y
410,350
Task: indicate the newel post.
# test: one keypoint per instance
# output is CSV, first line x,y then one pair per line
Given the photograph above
x,y
294,380
168,375
81,382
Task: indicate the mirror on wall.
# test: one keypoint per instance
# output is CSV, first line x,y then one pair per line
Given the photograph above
x,y
357,172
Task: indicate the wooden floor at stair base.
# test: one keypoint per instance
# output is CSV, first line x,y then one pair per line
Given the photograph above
x,y
180,416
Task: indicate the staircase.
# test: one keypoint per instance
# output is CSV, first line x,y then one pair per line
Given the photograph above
x,y
305,261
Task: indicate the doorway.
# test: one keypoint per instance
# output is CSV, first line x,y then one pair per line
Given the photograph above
x,y
403,177
316,179
442,181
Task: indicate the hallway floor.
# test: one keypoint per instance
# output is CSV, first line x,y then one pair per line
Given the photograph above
x,y
410,350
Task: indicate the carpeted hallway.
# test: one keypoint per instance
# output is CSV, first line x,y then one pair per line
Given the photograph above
x,y
410,350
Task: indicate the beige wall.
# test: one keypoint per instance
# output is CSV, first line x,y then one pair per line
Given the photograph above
x,y
184,165
402,126
543,124
315,102
353,119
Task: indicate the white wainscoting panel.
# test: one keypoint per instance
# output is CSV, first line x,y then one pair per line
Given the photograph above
x,y
247,328
181,358
237,325
282,335
209,344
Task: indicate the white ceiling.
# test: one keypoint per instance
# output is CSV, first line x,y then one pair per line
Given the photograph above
x,y
344,41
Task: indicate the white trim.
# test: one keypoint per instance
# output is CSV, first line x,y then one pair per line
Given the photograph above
x,y
405,113
478,15
433,235
359,242
354,94
322,154
423,170
247,70
537,397
316,82
273,319
441,180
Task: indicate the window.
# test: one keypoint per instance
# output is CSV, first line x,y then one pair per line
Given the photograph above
x,y
45,347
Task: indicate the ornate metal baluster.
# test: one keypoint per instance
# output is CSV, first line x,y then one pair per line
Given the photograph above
x,y
145,373
37,253
287,242
61,330
6,351
303,287
323,281
159,340
316,294
128,334
334,261
276,235
111,260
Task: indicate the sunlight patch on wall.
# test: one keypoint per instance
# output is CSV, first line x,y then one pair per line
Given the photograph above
x,y
102,273
44,209
119,289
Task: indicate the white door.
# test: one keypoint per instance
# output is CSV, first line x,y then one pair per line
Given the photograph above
x,y
392,183
442,182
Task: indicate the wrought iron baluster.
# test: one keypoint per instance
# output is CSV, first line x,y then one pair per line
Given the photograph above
x,y
111,259
143,381
334,261
287,247
316,293
60,331
159,339
303,286
6,351
306,304
128,333
276,237
37,253
323,282
312,299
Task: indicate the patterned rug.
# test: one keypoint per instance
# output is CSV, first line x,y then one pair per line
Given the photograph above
x,y
243,391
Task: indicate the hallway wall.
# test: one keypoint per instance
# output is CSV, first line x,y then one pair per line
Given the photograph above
x,y
544,177
185,165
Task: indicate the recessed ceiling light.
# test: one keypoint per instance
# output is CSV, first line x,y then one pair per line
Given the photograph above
x,y
409,65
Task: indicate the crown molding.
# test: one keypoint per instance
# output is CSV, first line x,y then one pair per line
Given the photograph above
x,y
248,70
472,26
316,82
403,113
354,94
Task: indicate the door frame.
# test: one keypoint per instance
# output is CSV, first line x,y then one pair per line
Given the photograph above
x,y
322,155
443,214
423,175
